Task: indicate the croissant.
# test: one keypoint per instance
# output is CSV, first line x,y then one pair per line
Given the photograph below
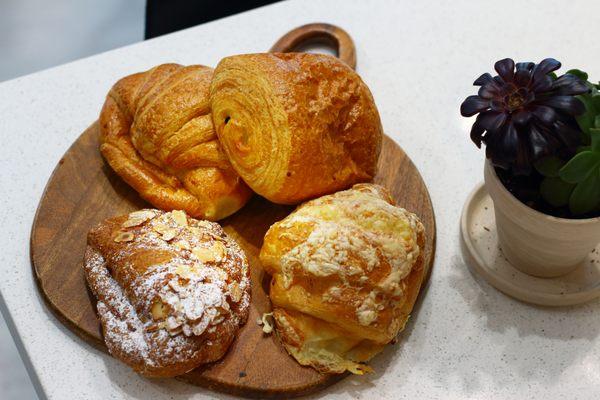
x,y
295,125
157,134
172,291
346,270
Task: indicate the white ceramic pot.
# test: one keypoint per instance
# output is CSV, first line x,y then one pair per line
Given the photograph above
x,y
536,243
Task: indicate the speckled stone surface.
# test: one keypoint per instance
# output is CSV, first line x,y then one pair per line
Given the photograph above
x,y
466,339
14,381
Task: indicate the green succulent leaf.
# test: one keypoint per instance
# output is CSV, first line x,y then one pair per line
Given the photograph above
x,y
595,137
549,166
580,167
578,73
591,102
595,106
586,121
586,195
556,191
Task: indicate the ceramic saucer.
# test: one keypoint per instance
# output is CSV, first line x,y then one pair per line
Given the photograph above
x,y
482,253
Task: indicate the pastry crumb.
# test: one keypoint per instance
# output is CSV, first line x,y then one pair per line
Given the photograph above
x,y
266,322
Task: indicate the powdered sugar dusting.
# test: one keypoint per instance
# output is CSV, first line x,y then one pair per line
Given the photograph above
x,y
120,321
158,303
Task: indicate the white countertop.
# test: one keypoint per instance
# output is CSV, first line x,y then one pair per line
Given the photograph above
x,y
466,340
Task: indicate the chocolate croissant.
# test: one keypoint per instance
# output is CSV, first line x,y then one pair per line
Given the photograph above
x,y
346,270
295,125
172,291
157,134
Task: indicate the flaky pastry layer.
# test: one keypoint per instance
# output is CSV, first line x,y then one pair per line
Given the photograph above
x,y
157,134
346,269
296,125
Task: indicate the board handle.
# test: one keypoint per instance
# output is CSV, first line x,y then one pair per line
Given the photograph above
x,y
321,33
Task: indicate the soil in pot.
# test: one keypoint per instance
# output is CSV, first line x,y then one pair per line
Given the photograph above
x,y
526,189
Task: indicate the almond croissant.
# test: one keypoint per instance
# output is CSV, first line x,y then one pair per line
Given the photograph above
x,y
157,134
172,291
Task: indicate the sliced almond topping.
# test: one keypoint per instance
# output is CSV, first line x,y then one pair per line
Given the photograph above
x,y
143,214
131,222
123,237
235,292
166,233
187,331
224,308
179,217
197,231
194,312
169,234
204,254
220,250
138,217
175,331
183,271
204,224
182,245
160,228
173,323
159,310
198,329
200,234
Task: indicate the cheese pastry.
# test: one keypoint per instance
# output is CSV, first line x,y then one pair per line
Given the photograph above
x,y
172,291
295,125
157,134
346,270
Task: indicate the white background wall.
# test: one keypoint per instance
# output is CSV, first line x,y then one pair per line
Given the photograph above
x,y
38,34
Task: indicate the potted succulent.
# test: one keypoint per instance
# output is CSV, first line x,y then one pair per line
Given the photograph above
x,y
542,142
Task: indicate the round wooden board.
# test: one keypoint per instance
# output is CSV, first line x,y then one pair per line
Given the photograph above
x,y
83,191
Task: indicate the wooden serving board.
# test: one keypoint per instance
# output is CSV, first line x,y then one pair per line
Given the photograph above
x,y
83,191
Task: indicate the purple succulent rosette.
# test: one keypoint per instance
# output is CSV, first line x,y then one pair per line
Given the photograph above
x,y
525,113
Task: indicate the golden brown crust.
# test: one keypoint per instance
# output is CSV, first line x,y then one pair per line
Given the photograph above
x,y
172,291
295,125
157,134
346,270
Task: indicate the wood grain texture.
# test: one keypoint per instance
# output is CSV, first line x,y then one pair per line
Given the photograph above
x,y
320,33
83,191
